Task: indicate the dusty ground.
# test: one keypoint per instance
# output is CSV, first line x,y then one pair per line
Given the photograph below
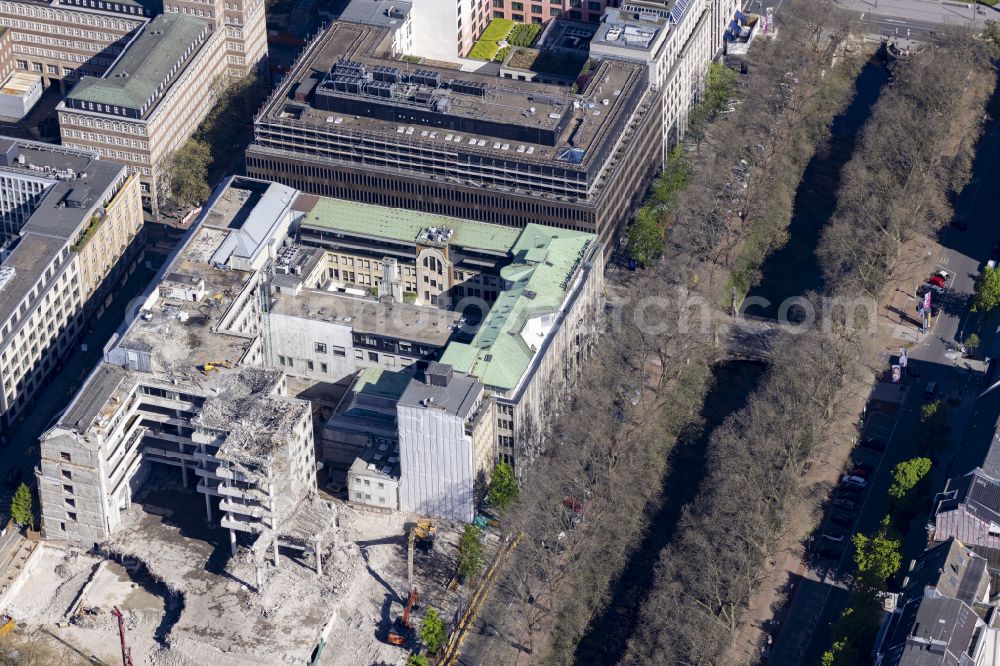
x,y
223,619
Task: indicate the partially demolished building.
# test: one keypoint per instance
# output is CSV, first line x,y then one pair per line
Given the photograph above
x,y
198,379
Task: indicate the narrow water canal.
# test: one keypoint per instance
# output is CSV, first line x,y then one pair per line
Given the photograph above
x,y
794,269
608,633
791,271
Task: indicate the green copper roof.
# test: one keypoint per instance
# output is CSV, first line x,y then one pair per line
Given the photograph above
x,y
134,79
545,260
406,225
385,383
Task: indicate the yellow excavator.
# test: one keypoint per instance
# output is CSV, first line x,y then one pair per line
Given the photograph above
x,y
212,366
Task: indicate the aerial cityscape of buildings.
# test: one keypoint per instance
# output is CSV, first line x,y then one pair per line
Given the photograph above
x,y
271,398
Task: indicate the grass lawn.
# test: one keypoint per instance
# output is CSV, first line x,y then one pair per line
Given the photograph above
x,y
487,46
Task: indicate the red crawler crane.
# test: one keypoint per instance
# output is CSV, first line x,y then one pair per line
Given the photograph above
x,y
126,653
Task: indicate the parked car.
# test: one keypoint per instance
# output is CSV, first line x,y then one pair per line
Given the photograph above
x,y
864,467
842,519
849,492
849,480
939,278
858,471
845,503
995,254
835,536
960,224
930,391
873,444
925,287
829,553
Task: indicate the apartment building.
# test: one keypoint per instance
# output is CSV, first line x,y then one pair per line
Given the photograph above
x,y
675,40
151,101
62,41
944,614
71,229
353,122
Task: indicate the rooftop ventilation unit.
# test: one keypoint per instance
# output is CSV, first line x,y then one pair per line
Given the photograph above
x,y
468,87
6,275
381,89
426,77
386,73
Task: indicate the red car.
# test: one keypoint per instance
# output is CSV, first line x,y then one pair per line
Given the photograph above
x,y
863,473
939,279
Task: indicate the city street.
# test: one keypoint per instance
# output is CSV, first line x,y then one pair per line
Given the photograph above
x,y
917,18
822,592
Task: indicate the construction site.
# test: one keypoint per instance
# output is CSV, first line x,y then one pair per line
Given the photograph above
x,y
165,590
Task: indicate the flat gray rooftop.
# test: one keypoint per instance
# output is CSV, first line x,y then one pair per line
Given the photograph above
x,y
398,320
583,121
457,398
388,13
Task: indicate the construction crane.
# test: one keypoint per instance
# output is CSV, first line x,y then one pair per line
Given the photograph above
x,y
126,652
402,628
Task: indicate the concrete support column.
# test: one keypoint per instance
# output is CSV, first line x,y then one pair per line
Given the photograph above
x,y
128,498
276,557
184,470
208,508
232,540
319,557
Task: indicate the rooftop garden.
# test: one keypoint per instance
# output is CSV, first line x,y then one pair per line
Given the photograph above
x,y
488,45
500,36
561,63
95,222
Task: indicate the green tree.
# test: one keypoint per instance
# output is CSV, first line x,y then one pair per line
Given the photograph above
x,y
934,427
416,660
854,631
187,173
672,180
646,236
471,552
987,296
20,506
877,557
909,491
503,486
972,342
432,631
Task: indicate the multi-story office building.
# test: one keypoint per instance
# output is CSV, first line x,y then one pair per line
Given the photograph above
x,y
70,229
199,380
675,40
242,22
151,101
62,40
352,122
